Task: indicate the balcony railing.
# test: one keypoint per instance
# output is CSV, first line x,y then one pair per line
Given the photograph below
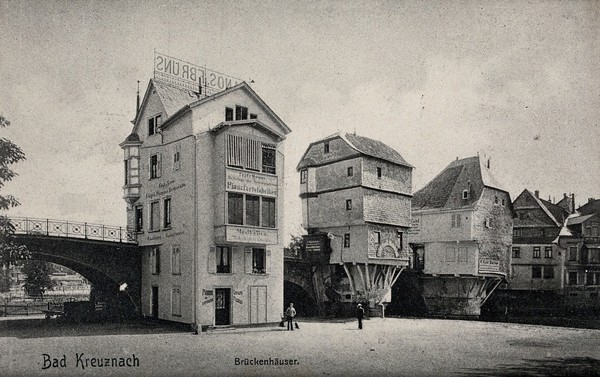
x,y
72,229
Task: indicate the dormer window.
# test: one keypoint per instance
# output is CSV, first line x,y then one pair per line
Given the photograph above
x,y
153,124
326,148
241,112
465,194
379,173
228,114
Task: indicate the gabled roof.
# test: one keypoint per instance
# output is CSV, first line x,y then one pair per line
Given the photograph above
x,y
176,100
362,145
445,189
592,206
579,219
555,213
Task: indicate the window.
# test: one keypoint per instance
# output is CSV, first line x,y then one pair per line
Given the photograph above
x,y
573,278
465,194
517,232
450,254
326,148
536,272
548,252
176,260
377,237
378,172
154,166
463,255
303,176
176,301
177,158
258,261
253,116
521,216
228,114
139,218
588,231
153,124
348,204
346,239
495,200
167,213
252,210
488,222
516,252
503,202
223,260
235,208
456,220
400,236
126,172
268,158
572,253
268,212
350,171
593,255
548,272
536,251
154,216
241,112
155,261
589,278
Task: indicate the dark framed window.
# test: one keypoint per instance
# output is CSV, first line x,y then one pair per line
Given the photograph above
x,y
400,236
516,252
326,148
259,265
167,213
253,116
126,164
350,171
268,159
228,114
223,260
177,160
235,208
153,124
139,218
268,212
241,112
573,278
154,166
346,239
176,260
465,194
517,232
536,272
572,253
548,252
548,272
379,173
252,210
495,200
377,237
348,204
154,216
155,260
303,176
536,251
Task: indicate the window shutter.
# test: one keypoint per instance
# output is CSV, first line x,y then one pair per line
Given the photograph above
x,y
158,164
212,260
248,260
268,261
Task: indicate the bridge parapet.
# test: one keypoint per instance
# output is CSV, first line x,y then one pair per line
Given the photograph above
x,y
72,229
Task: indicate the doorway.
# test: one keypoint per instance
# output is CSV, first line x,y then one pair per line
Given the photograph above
x,y
222,306
154,300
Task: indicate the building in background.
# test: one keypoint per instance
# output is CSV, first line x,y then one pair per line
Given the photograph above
x,y
204,192
356,196
462,233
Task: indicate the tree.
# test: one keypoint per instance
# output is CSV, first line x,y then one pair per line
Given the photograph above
x,y
38,277
10,252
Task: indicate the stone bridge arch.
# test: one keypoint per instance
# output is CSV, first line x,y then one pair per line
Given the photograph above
x,y
298,288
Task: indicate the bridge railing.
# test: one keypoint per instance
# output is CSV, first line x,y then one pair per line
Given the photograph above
x,y
72,229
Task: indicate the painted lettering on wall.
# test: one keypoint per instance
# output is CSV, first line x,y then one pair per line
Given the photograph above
x,y
251,235
175,234
489,265
164,189
189,76
251,183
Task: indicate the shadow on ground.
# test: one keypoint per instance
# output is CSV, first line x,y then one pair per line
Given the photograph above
x,y
574,366
48,328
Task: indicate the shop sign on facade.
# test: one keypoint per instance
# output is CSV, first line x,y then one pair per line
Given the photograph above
x,y
250,183
190,76
489,265
251,235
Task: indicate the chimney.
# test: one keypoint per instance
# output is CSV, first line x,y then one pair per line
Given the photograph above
x,y
573,203
564,195
137,102
590,200
488,163
537,193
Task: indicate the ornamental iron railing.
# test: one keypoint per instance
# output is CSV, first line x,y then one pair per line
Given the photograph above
x,y
72,229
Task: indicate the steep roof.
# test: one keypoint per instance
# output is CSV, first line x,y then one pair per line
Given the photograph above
x,y
592,206
445,189
579,219
360,145
174,98
558,213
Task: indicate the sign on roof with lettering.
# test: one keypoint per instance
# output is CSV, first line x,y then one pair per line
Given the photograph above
x,y
190,76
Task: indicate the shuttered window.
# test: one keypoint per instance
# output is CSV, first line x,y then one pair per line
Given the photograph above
x,y
250,154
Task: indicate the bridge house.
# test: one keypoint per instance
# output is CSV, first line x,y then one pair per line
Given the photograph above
x,y
204,192
356,198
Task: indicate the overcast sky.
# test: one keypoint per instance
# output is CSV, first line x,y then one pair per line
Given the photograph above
x,y
516,80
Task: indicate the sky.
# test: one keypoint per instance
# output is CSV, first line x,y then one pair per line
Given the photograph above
x,y
515,81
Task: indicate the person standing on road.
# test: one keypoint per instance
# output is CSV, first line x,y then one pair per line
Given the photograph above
x,y
360,313
290,313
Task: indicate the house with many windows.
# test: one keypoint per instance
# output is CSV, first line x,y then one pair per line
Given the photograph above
x,y
461,236
356,195
203,185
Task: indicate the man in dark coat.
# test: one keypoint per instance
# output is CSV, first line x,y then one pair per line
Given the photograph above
x,y
290,313
360,313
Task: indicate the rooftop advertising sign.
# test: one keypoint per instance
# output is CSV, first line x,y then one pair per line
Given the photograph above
x,y
190,76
